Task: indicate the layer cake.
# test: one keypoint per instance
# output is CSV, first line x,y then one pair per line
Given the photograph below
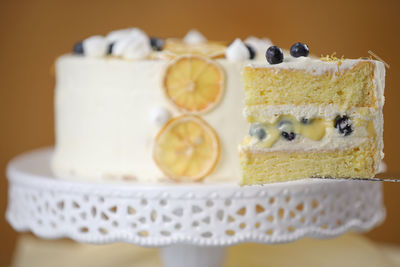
x,y
313,117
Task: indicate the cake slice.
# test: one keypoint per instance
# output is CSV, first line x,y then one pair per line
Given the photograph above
x,y
312,117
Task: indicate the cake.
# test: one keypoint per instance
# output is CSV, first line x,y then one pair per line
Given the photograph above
x,y
312,117
151,110
134,108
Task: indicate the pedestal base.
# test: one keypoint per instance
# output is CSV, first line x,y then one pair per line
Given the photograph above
x,y
193,256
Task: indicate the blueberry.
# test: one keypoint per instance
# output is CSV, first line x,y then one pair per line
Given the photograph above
x,y
343,124
299,50
78,48
305,120
157,43
110,48
252,51
274,55
258,131
287,130
288,136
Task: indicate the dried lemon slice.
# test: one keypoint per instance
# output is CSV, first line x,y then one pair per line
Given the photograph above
x,y
176,47
186,148
193,83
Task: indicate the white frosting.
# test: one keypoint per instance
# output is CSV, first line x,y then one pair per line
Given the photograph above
x,y
194,37
382,167
270,113
133,45
379,85
379,82
237,51
160,115
95,46
103,122
331,141
260,45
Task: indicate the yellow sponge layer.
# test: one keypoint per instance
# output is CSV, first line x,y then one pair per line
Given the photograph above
x,y
267,167
353,87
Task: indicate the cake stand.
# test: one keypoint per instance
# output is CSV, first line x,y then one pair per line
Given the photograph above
x,y
192,223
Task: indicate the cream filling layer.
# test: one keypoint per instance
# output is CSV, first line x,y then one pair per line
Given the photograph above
x,y
318,134
268,113
328,143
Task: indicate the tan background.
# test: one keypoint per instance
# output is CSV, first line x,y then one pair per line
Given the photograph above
x,y
34,33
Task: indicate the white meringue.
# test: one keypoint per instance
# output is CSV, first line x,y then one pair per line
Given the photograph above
x,y
237,51
134,44
136,49
117,35
194,37
160,116
95,46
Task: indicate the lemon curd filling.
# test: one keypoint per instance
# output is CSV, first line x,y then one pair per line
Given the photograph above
x,y
288,127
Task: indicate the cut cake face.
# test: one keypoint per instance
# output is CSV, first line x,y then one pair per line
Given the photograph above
x,y
312,118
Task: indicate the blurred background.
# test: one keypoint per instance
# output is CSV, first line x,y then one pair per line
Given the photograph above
x,y
34,33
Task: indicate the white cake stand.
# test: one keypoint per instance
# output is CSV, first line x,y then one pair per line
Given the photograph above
x,y
192,223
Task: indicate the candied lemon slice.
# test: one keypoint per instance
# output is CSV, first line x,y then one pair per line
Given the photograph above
x,y
176,47
193,83
186,148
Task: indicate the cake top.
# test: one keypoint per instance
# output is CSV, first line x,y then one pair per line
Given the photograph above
x,y
135,44
298,59
313,64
